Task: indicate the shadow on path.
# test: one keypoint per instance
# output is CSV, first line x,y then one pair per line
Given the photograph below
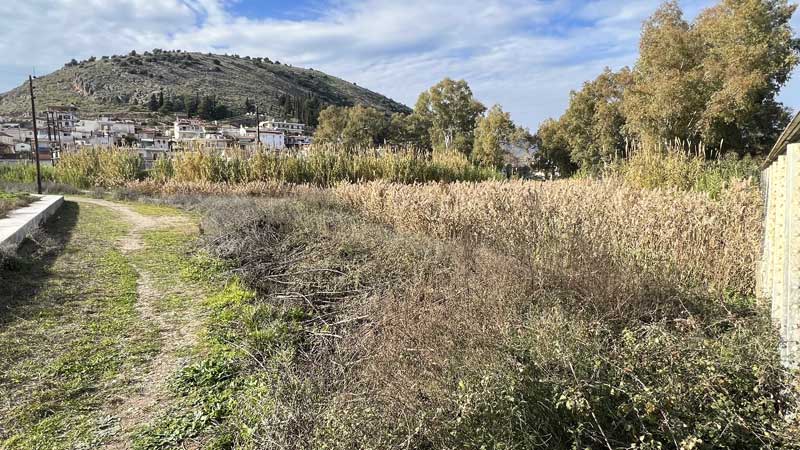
x,y
23,274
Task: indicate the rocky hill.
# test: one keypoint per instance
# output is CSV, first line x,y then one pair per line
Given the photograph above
x,y
128,84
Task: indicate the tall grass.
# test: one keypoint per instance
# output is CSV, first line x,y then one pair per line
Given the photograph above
x,y
714,243
675,167
25,172
98,167
320,166
325,166
507,324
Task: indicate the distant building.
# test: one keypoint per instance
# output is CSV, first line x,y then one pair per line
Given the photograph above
x,y
269,138
298,141
287,128
161,143
214,141
106,125
22,147
187,129
6,139
65,117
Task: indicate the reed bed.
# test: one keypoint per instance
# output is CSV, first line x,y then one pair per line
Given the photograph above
x,y
25,172
676,168
503,326
319,166
268,188
683,235
325,166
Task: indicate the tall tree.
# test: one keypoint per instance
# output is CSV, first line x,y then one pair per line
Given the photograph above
x,y
594,119
452,111
206,110
409,130
366,127
152,105
493,136
715,79
167,107
750,52
554,155
353,127
667,98
332,122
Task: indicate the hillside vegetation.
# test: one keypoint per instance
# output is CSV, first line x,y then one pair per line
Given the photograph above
x,y
126,84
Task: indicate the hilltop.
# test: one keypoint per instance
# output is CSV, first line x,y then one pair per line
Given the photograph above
x,y
125,84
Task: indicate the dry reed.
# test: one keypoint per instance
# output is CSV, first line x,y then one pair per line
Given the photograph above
x,y
685,234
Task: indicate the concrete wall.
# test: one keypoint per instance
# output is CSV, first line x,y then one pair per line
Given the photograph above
x,y
21,222
779,272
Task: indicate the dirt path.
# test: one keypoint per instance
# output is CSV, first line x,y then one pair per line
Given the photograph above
x,y
176,330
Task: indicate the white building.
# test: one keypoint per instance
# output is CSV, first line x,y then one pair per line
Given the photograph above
x,y
273,139
106,125
6,139
186,130
298,141
95,140
214,141
154,143
284,127
22,147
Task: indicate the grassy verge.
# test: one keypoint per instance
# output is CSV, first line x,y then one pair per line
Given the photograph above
x,y
12,201
70,336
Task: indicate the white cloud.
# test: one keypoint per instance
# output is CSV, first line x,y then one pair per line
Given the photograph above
x,y
525,55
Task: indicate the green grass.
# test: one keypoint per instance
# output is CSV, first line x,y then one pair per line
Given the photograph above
x,y
72,343
70,337
12,201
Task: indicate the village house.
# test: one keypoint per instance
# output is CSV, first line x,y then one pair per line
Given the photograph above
x,y
214,141
6,144
187,130
287,128
65,117
22,147
271,138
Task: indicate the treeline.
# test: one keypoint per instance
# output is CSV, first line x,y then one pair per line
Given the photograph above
x,y
305,109
206,107
445,117
708,84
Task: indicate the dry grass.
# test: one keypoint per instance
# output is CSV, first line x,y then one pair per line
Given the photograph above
x,y
268,188
463,337
713,243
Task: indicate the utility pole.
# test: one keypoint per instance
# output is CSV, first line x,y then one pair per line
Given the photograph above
x,y
51,121
58,133
57,124
258,129
49,135
35,137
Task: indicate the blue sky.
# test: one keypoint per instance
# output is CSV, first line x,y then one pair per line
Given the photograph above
x,y
523,54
